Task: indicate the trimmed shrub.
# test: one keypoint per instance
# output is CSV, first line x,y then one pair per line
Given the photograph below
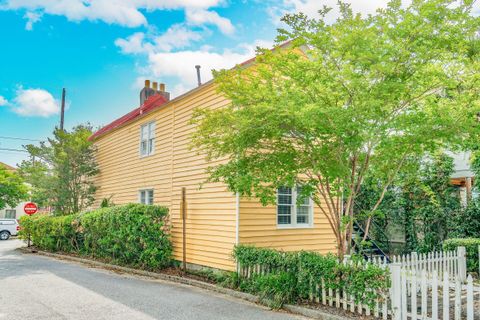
x,y
471,248
134,234
50,233
290,275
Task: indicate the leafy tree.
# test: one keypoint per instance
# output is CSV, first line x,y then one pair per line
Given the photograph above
x,y
38,176
12,188
346,100
63,171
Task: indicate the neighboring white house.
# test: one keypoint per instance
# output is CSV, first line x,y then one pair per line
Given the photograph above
x,y
9,212
13,213
463,176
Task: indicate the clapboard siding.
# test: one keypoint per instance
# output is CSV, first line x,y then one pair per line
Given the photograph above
x,y
211,209
258,226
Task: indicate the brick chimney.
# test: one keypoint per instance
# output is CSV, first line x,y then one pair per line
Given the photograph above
x,y
150,90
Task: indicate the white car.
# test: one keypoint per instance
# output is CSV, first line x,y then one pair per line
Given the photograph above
x,y
8,227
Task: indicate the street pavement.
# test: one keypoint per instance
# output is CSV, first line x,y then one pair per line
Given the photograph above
x,y
35,287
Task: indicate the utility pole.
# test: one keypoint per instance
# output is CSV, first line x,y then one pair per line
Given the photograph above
x,y
62,111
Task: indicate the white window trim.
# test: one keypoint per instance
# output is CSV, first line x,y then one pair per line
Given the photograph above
x,y
149,137
145,190
293,224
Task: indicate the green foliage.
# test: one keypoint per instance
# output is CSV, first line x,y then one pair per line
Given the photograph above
x,y
223,278
421,200
12,188
291,274
466,224
133,234
50,233
61,170
471,246
230,280
366,93
37,174
276,289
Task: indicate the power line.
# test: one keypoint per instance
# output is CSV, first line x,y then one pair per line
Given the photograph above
x,y
13,150
16,138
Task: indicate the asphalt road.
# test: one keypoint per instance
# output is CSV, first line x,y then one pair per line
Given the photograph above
x,y
36,287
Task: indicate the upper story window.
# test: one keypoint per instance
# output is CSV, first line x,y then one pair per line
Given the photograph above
x,y
147,139
146,196
290,211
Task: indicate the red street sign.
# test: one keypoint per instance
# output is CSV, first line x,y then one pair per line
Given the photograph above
x,y
30,208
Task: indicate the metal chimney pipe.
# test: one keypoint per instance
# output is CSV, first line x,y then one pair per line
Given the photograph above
x,y
198,75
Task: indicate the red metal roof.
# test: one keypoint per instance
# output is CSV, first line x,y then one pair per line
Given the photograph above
x,y
6,166
152,103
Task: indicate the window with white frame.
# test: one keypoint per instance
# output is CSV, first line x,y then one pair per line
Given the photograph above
x,y
147,139
293,211
146,196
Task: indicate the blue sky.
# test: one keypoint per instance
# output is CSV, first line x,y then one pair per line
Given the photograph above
x,y
102,50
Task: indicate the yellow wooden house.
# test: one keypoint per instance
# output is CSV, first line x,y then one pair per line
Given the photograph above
x,y
145,157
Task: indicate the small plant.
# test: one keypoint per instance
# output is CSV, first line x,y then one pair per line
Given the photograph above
x,y
230,280
276,289
107,202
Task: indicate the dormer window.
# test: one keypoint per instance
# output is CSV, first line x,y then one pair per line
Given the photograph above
x,y
147,139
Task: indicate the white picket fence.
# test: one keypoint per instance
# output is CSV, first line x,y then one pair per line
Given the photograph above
x,y
340,299
430,286
454,263
423,295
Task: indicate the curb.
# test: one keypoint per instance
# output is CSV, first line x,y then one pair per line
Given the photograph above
x,y
306,312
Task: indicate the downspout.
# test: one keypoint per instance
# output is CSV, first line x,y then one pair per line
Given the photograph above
x,y
237,223
237,218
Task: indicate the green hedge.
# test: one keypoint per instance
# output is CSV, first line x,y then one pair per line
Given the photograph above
x,y
50,233
291,274
133,234
471,248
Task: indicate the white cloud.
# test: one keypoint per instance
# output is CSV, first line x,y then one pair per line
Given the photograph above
x,y
202,16
32,18
126,13
176,37
180,65
3,101
34,103
133,44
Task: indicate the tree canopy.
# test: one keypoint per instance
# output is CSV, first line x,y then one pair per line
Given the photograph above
x,y
12,188
345,101
62,169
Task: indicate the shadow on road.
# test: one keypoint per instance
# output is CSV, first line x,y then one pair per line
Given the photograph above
x,y
157,299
